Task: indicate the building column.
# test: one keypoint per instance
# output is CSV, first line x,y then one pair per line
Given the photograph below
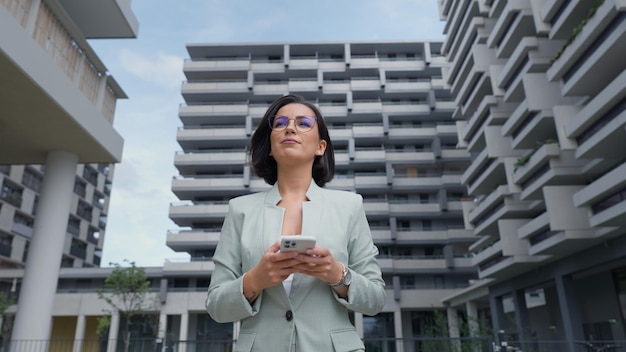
x,y
472,318
33,320
79,333
497,311
521,315
397,325
113,332
162,329
453,322
570,315
184,330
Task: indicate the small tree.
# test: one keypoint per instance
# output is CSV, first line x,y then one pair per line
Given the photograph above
x,y
127,290
5,302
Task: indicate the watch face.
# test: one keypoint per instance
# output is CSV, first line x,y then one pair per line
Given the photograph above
x,y
347,280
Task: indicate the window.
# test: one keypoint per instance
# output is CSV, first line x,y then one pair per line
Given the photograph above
x,y
90,175
73,225
379,332
11,193
84,210
5,169
32,179
80,187
78,248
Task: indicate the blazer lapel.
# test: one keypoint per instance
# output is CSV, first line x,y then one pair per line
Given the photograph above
x,y
311,220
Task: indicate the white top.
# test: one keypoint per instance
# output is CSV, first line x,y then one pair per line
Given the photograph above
x,y
287,284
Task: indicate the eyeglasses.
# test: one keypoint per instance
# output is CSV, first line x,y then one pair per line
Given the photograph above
x,y
302,123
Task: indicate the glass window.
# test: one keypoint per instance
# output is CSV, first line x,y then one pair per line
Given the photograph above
x,y
379,333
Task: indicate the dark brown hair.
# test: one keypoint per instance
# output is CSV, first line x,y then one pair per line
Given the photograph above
x,y
265,166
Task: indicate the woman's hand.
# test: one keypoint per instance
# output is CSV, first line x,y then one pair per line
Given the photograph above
x,y
273,268
320,263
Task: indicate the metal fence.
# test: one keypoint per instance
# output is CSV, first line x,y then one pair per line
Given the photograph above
x,y
417,344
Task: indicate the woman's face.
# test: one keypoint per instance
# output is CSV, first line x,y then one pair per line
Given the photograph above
x,y
291,145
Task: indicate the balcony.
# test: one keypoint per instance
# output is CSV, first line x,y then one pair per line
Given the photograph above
x,y
188,188
483,174
548,165
413,209
409,86
606,198
195,115
208,161
187,267
196,138
199,67
599,126
600,43
198,92
185,214
514,23
185,240
544,241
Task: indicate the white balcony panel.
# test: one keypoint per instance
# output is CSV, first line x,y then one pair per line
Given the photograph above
x,y
341,183
216,65
206,110
422,299
416,265
421,183
365,84
303,63
486,253
604,34
186,215
370,181
602,187
364,62
454,154
213,87
511,266
340,134
399,133
416,65
367,131
262,88
406,109
303,86
333,66
415,157
445,106
414,209
376,208
186,240
413,87
333,110
335,87
172,267
364,156
188,188
381,235
267,67
367,107
210,158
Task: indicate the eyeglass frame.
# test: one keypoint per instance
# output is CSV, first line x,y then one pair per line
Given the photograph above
x,y
295,120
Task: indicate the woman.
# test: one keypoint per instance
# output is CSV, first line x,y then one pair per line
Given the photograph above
x,y
288,301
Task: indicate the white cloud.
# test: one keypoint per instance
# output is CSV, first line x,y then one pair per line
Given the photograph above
x,y
162,69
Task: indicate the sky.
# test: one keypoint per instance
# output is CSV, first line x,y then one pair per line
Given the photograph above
x,y
149,70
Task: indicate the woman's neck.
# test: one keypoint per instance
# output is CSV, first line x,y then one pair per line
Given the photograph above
x,y
294,183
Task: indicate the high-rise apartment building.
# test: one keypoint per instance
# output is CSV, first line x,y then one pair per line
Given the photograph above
x,y
57,143
540,92
390,119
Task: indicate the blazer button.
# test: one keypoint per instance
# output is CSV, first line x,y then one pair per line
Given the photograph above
x,y
289,315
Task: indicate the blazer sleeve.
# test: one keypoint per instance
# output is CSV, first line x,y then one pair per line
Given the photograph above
x,y
225,300
367,291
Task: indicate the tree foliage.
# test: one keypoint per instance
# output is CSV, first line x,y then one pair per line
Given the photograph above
x,y
127,292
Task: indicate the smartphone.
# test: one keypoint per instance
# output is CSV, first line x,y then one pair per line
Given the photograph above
x,y
297,243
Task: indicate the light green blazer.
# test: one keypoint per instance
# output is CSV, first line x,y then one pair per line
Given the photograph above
x,y
313,317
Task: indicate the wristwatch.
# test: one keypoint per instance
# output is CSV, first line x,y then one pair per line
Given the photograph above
x,y
346,279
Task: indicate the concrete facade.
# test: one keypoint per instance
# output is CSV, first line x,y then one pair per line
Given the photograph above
x,y
539,91
56,145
